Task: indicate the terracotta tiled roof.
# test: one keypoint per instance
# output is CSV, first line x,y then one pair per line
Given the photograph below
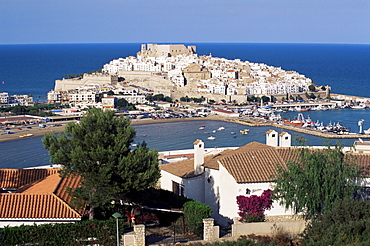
x,y
35,206
15,178
254,166
254,162
185,168
41,195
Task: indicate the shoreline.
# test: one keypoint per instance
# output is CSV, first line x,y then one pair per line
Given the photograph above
x,y
251,122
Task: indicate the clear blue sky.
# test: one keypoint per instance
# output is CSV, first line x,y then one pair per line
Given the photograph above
x,y
185,21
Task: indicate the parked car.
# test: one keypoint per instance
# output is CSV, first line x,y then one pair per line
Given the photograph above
x,y
140,215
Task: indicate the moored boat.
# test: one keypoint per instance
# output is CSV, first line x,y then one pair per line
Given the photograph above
x,y
211,138
26,135
244,132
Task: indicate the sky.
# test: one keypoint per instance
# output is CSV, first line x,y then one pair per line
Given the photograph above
x,y
186,21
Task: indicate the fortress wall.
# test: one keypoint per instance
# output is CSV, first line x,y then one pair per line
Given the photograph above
x,y
67,84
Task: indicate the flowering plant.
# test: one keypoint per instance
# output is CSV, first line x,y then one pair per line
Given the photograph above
x,y
252,208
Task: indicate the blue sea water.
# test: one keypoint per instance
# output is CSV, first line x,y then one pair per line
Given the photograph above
x,y
32,69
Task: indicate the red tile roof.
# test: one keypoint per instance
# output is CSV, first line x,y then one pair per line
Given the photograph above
x,y
41,194
254,162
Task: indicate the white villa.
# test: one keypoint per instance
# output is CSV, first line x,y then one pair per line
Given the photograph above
x,y
216,179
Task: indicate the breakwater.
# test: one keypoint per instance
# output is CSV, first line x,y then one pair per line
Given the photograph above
x,y
259,122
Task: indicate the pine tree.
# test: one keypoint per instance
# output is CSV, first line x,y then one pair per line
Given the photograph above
x,y
98,149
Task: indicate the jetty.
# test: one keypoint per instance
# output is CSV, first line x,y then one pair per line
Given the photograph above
x,y
263,122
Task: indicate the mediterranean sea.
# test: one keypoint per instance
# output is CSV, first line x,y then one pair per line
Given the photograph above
x,y
32,69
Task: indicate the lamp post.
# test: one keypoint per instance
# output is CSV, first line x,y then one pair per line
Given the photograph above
x,y
117,215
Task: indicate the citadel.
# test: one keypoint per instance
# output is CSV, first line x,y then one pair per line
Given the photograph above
x,y
176,71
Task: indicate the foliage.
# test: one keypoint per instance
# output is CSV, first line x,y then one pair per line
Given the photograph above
x,y
265,99
98,149
194,213
122,104
323,88
348,223
157,198
312,96
103,233
38,109
312,87
315,180
252,208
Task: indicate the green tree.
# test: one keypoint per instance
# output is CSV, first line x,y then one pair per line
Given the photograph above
x,y
323,88
312,182
122,104
98,150
265,99
312,87
149,98
158,97
167,99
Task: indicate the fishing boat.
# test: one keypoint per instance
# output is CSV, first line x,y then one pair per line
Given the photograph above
x,y
298,121
201,128
211,138
244,132
221,128
26,135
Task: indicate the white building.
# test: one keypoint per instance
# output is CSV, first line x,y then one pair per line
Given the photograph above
x,y
216,179
4,97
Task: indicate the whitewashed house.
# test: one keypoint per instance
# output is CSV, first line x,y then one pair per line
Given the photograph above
x,y
216,180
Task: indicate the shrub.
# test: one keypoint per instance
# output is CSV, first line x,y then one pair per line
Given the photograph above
x,y
102,233
348,223
252,208
194,213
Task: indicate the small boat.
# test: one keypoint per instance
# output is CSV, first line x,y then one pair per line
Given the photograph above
x,y
367,131
211,138
133,144
214,131
232,133
221,128
201,128
360,106
234,136
144,135
244,132
26,135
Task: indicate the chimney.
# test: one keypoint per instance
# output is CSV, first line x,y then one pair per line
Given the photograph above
x,y
198,156
285,139
272,138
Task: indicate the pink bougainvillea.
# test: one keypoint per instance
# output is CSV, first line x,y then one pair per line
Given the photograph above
x,y
252,208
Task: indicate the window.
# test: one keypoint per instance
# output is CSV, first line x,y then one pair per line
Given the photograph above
x,y
177,188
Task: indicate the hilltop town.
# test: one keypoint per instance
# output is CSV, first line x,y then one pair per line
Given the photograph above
x,y
177,72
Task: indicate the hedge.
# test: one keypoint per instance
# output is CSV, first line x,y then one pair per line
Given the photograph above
x,y
80,233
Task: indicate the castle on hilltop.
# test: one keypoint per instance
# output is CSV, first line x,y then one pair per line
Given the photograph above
x,y
166,50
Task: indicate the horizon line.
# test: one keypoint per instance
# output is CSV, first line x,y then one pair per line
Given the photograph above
x,y
328,43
